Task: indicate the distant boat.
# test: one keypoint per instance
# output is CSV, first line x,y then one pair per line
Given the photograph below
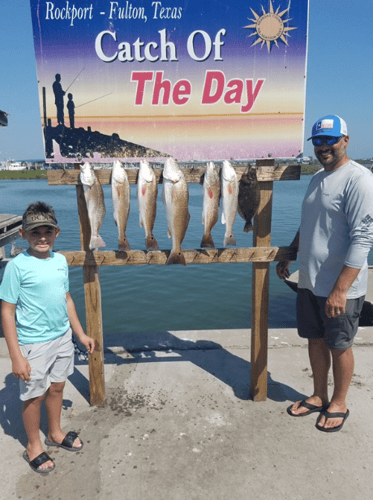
x,y
366,317
15,165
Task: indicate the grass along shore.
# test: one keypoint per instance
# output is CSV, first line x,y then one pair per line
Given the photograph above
x,y
23,174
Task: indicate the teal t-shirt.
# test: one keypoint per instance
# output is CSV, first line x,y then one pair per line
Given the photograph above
x,y
38,287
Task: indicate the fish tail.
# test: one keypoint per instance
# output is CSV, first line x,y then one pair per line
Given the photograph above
x,y
248,227
123,245
176,258
229,240
151,243
207,241
96,242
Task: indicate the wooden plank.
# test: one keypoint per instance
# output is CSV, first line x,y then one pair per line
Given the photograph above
x,y
260,297
9,226
199,256
193,174
92,294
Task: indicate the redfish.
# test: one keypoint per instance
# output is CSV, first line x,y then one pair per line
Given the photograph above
x,y
175,198
229,201
94,198
210,207
147,190
121,194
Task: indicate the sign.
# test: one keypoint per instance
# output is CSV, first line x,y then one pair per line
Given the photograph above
x,y
191,79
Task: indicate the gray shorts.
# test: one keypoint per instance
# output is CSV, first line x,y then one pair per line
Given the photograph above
x,y
313,323
51,361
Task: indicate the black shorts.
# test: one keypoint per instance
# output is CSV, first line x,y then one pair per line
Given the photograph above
x,y
313,323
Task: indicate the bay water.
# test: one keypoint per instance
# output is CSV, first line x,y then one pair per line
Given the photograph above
x,y
160,298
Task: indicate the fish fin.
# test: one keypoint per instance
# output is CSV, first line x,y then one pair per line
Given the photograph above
x,y
168,233
123,245
151,243
229,240
96,242
176,258
207,241
223,221
248,227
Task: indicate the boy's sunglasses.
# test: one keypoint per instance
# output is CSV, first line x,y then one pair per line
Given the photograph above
x,y
329,141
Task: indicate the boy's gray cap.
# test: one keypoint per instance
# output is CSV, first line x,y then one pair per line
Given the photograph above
x,y
36,220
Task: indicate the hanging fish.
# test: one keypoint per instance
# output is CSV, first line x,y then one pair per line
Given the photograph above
x,y
210,207
147,190
248,197
229,201
175,198
121,194
94,198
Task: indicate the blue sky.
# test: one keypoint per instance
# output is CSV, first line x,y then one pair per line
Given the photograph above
x,y
339,80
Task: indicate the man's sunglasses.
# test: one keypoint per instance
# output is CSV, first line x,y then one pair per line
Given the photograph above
x,y
329,141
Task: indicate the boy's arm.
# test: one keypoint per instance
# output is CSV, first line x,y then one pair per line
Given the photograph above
x,y
77,328
20,366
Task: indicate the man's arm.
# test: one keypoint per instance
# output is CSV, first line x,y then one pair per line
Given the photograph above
x,y
282,267
336,302
20,366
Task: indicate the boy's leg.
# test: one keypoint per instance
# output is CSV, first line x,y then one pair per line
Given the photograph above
x,y
31,420
53,403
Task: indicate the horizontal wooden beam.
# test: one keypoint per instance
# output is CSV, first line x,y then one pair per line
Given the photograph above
x,y
200,256
193,173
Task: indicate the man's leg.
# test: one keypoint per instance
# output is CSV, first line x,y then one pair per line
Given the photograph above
x,y
53,403
31,420
319,356
343,369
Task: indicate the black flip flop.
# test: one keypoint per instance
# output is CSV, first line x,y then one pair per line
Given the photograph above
x,y
38,461
311,409
332,415
67,443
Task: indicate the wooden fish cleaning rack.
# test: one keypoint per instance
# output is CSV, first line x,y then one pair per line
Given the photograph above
x,y
261,255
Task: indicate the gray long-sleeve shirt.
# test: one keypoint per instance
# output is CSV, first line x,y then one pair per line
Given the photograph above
x,y
336,229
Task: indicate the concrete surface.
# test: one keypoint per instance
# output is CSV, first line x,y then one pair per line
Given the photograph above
x,y
178,425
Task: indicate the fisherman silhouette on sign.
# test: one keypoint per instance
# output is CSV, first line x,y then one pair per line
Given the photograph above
x,y
71,107
58,99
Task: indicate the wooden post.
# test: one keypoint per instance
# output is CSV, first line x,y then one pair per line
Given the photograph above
x,y
92,293
260,293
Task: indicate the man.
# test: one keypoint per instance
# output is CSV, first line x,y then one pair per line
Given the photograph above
x,y
334,240
58,99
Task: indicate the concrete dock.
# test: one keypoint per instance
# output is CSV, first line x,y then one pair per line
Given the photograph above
x,y
179,425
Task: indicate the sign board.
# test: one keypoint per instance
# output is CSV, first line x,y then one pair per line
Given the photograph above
x,y
191,79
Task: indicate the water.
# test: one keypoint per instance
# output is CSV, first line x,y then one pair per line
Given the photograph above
x,y
160,298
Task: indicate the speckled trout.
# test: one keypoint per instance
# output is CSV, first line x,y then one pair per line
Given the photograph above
x,y
210,206
229,201
94,198
147,190
121,194
175,198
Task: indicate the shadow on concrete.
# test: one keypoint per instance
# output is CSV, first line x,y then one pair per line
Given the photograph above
x,y
11,411
207,355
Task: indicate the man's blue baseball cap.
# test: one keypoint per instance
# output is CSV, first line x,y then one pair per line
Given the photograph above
x,y
329,126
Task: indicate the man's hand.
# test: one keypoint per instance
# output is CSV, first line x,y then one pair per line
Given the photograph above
x,y
335,304
282,269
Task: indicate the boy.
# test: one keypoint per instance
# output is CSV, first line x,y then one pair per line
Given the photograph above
x,y
37,311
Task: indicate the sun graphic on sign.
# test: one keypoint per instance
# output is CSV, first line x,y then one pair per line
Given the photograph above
x,y
269,27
